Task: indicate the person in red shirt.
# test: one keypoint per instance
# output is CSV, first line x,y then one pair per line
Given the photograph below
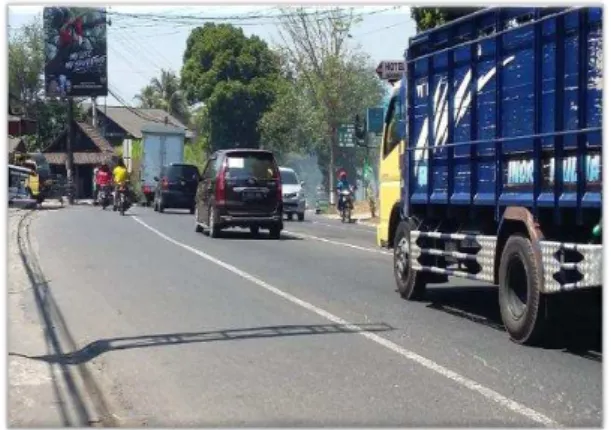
x,y
102,178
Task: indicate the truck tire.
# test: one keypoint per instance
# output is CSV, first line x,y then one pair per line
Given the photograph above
x,y
520,282
410,283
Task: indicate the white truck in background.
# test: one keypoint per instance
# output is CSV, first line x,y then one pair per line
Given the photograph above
x,y
161,145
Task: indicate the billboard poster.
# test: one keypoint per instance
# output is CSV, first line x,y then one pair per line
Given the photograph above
x,y
76,62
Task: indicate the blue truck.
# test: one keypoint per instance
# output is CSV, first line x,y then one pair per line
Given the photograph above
x,y
500,121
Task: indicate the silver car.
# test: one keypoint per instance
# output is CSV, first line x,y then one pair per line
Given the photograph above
x,y
293,195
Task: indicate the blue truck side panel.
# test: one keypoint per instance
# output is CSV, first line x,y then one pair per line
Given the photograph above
x,y
504,108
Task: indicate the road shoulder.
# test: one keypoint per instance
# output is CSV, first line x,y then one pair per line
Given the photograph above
x,y
45,388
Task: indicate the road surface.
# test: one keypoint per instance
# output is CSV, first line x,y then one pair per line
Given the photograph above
x,y
172,328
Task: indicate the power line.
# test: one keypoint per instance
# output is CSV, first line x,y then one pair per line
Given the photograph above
x,y
243,19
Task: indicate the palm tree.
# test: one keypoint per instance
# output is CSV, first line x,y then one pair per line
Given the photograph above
x,y
148,98
164,93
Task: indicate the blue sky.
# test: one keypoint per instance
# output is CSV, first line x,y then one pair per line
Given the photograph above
x,y
139,47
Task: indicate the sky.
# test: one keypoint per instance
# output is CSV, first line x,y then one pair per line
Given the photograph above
x,y
140,46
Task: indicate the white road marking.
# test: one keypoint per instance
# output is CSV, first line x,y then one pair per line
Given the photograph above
x,y
334,242
486,392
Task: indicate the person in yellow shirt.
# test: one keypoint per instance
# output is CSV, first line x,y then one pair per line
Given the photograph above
x,y
120,176
119,173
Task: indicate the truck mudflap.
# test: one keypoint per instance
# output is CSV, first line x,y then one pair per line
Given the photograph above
x,y
566,266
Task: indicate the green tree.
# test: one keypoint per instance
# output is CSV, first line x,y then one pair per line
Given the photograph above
x,y
431,17
235,76
26,85
164,93
26,66
338,78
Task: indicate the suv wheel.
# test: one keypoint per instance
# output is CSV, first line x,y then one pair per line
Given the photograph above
x,y
274,231
213,229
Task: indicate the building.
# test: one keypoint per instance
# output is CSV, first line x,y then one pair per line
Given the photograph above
x,y
19,126
89,148
120,123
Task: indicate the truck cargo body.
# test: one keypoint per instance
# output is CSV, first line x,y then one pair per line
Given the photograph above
x,y
161,145
503,162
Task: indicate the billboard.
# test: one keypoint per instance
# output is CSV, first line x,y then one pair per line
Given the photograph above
x,y
75,52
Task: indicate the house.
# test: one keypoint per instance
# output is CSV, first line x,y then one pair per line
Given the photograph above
x,y
15,145
89,148
18,126
120,123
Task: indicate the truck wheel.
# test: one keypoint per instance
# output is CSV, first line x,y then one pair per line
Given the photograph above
x,y
410,283
520,281
300,217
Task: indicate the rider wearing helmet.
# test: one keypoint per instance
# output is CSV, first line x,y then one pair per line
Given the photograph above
x,y
342,185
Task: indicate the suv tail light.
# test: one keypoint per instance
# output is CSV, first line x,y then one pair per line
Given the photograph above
x,y
220,185
164,183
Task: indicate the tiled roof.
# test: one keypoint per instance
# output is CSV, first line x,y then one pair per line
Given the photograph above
x,y
104,154
131,120
96,137
13,143
79,157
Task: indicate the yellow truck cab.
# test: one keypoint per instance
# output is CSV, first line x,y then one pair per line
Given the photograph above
x,y
391,151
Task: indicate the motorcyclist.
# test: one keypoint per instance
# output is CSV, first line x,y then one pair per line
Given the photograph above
x,y
120,177
102,178
342,185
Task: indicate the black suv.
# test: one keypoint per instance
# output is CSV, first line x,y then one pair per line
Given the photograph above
x,y
240,188
176,188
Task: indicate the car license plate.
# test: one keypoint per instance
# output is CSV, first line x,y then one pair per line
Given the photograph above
x,y
249,195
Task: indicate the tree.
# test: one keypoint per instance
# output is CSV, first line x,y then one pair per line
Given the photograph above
x,y
339,78
26,85
165,93
235,76
26,65
431,17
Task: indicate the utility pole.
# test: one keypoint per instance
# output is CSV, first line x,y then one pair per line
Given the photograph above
x,y
69,152
94,112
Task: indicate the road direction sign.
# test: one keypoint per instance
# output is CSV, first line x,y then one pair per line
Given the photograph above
x,y
346,135
391,70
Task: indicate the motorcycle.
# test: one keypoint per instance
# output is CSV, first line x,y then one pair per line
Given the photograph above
x,y
104,196
346,204
122,202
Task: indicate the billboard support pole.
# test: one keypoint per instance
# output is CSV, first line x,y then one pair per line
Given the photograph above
x,y
69,152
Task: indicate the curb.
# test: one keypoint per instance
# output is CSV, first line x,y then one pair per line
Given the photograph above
x,y
22,204
363,222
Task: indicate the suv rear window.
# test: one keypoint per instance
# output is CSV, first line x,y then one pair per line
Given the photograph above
x,y
260,165
288,177
182,171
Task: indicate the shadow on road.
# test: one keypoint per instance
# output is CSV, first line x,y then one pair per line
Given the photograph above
x,y
56,330
577,334
102,346
247,235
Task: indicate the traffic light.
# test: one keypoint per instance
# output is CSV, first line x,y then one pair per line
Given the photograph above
x,y
360,127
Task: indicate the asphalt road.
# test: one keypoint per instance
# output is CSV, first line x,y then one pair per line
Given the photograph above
x,y
184,330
